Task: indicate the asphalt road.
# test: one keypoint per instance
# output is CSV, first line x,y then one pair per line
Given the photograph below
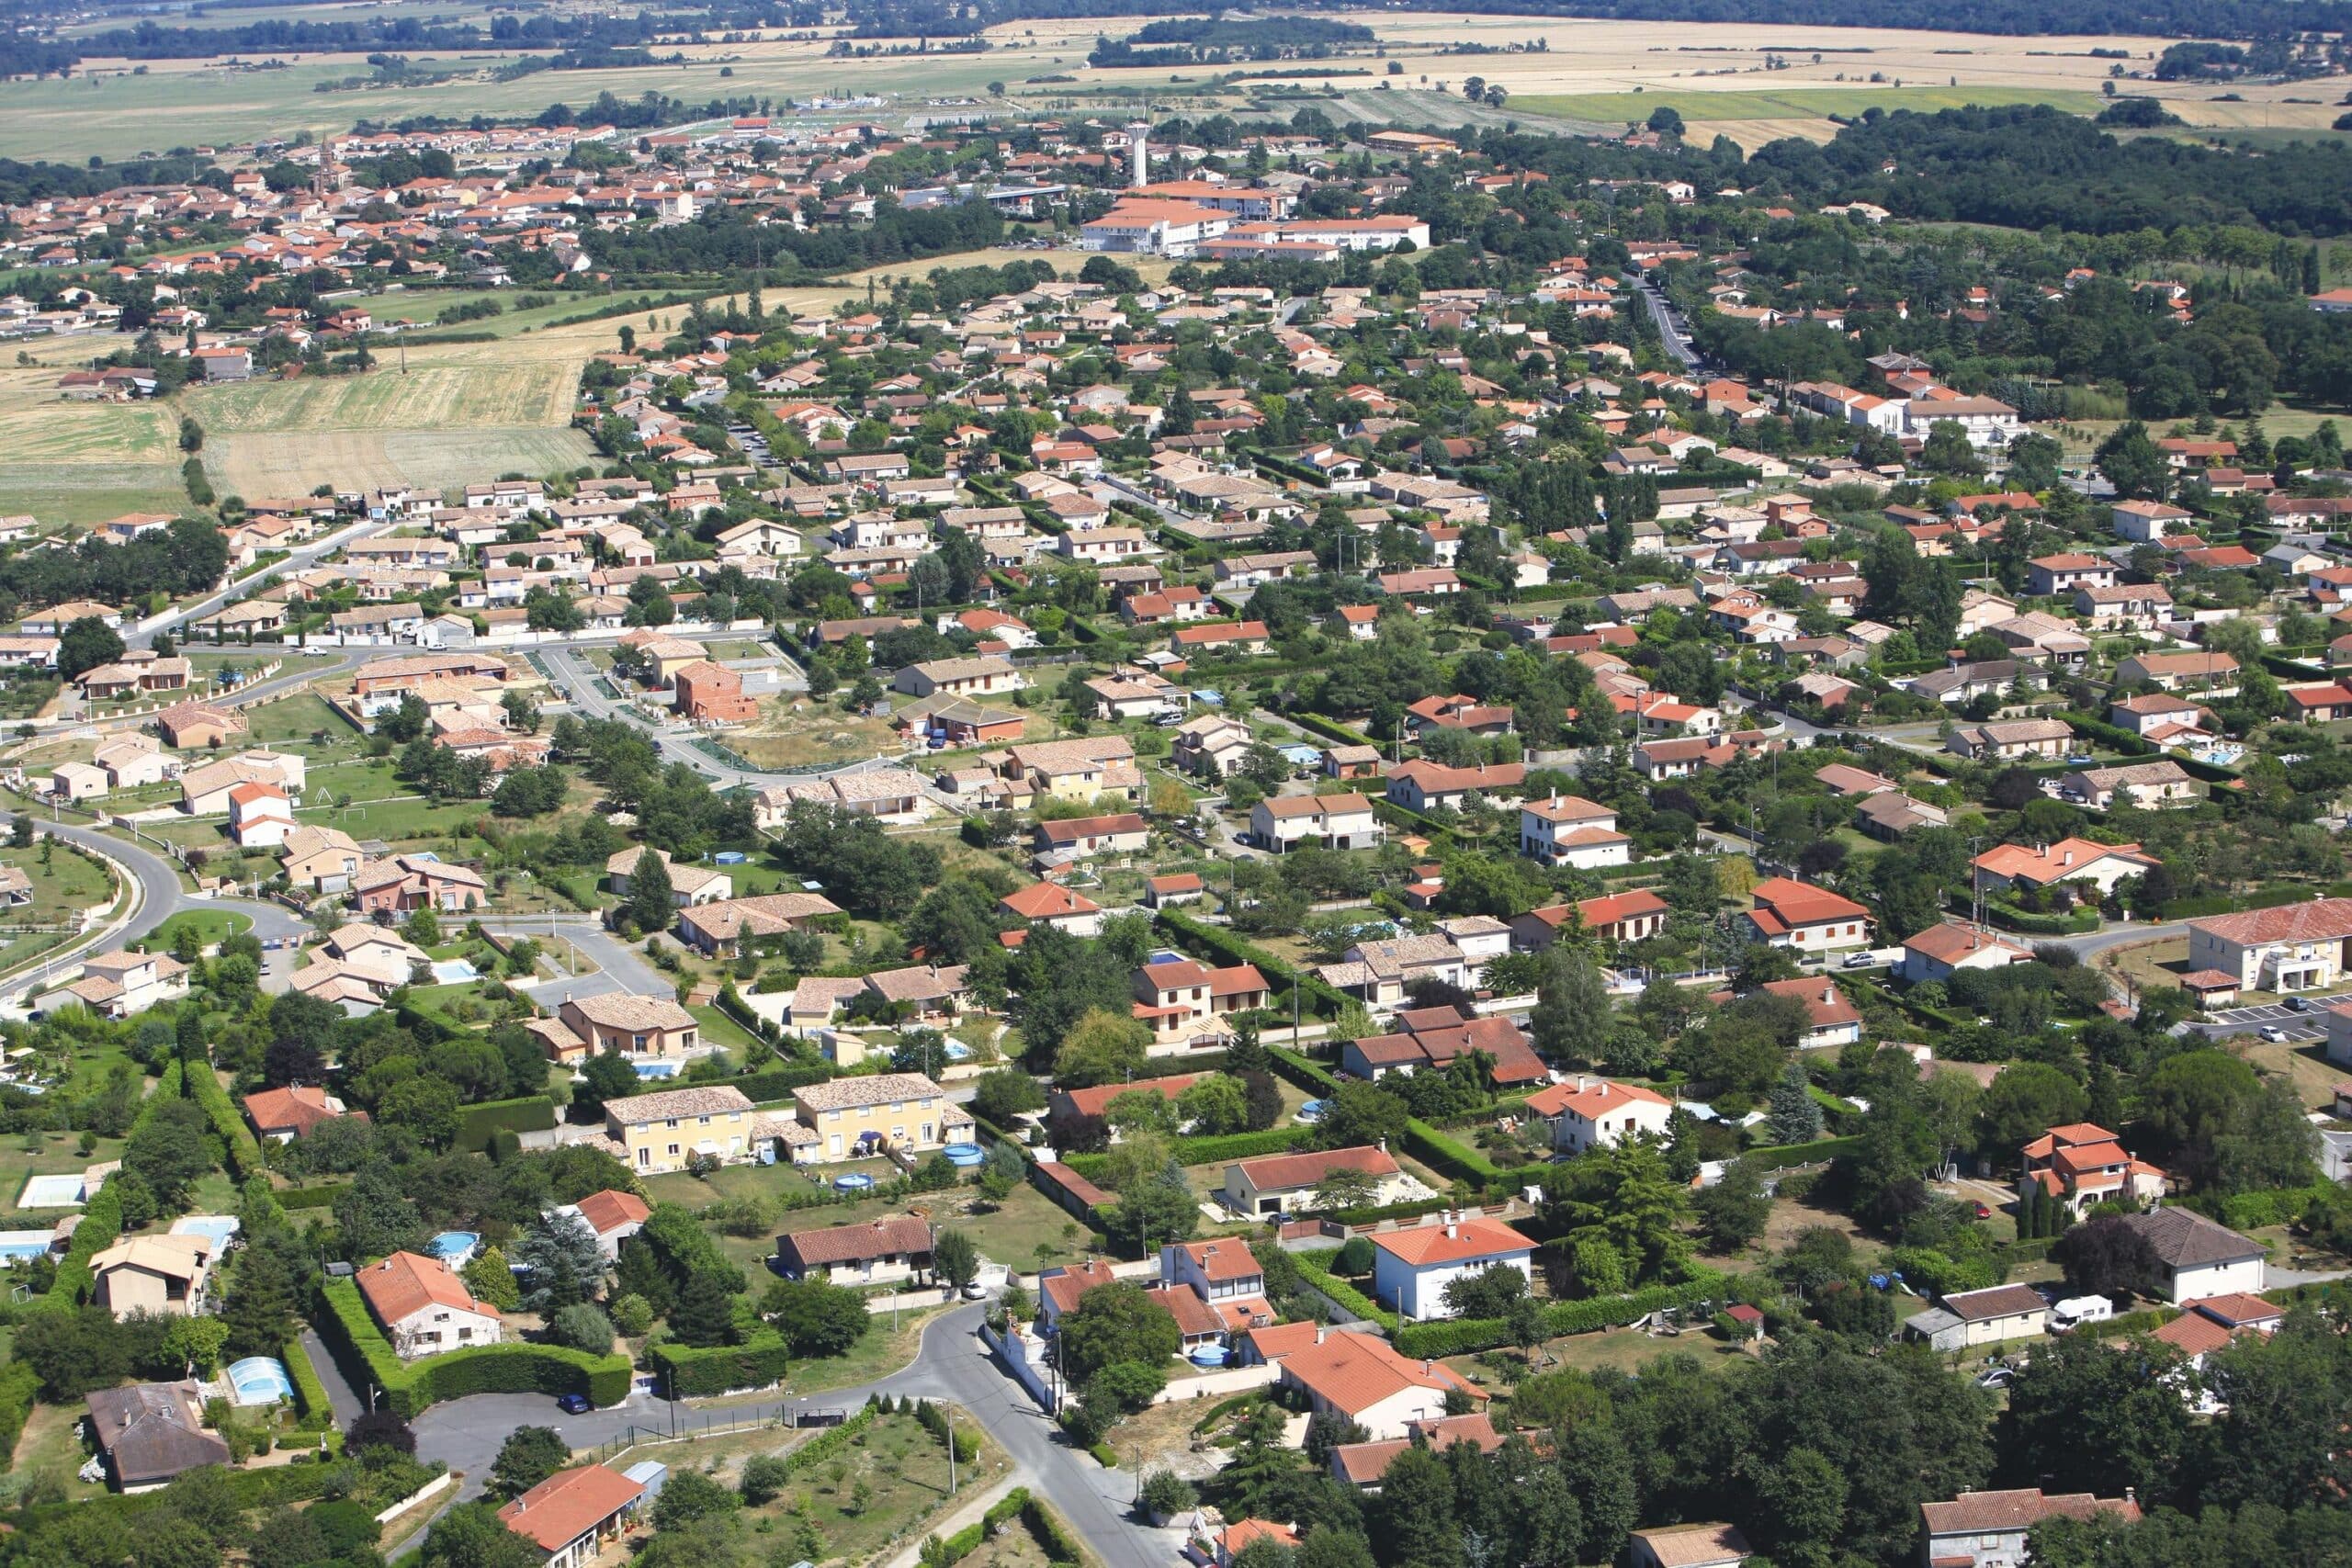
x,y
1676,345
2298,1027
951,1365
308,556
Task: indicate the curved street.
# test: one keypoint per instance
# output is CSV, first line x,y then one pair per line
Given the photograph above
x,y
951,1365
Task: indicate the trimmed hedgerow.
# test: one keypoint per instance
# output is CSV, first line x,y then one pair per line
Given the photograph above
x,y
411,1387
1463,1336
692,1372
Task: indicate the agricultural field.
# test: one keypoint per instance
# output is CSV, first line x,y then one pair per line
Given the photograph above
x,y
106,109
456,417
83,462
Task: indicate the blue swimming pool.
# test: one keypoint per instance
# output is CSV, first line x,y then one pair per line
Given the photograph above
x,y
453,1248
258,1380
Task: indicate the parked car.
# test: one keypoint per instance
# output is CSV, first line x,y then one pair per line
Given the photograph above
x,y
574,1404
2273,1033
2297,1004
1995,1377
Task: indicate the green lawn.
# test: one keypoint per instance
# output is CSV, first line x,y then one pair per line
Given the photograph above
x,y
210,926
881,1491
62,890
721,1030
296,718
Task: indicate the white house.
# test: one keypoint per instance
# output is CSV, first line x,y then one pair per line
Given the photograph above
x,y
2294,947
1568,830
424,1308
1988,1530
1368,1381
1587,1111
2199,1257
1945,948
1412,1268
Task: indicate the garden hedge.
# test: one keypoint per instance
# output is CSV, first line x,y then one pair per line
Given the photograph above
x,y
2252,1211
1224,1148
776,1083
1062,1550
966,1541
477,1126
410,1387
290,1197
1463,1336
242,1150
1231,949
1447,1156
18,1384
313,1410
1781,1156
101,1223
1295,1066
692,1372
831,1441
1315,1265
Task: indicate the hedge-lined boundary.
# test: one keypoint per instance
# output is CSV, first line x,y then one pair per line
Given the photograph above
x,y
832,1440
938,1553
1782,1157
1061,1547
775,1083
1234,949
242,1150
101,1223
314,1411
18,1386
1215,1148
1463,1336
410,1387
697,1373
290,1197
1316,1266
479,1124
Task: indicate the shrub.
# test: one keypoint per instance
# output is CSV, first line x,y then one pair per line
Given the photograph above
x,y
1355,1258
1165,1492
691,1372
763,1478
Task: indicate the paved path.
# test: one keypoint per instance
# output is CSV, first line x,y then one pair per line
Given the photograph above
x,y
1678,346
620,966
297,560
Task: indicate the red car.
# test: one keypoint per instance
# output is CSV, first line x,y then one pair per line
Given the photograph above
x,y
1983,1213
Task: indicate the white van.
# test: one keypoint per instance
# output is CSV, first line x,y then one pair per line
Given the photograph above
x,y
2076,1311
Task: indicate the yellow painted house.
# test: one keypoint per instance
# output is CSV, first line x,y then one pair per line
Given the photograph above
x,y
661,1132
888,1111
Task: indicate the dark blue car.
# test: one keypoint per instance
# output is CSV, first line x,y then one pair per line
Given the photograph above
x,y
574,1404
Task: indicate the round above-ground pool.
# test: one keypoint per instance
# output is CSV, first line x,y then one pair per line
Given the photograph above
x,y
1208,1356
1311,1112
965,1156
259,1380
853,1182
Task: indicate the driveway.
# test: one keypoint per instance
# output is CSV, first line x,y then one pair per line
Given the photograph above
x,y
2298,1027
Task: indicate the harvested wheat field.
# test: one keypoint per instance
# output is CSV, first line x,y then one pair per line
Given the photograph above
x,y
75,462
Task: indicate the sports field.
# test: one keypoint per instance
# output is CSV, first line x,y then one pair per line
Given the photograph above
x,y
1767,72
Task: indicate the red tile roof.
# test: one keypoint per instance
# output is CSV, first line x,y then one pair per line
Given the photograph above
x,y
568,1504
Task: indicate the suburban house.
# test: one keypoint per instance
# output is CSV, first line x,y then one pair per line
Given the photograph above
x,y
1365,1380
987,675
424,1308
2082,1164
2011,741
1381,972
121,985
1051,904
1425,786
282,1115
719,930
2293,947
1183,999
1988,1530
2005,867
2199,1258
644,1029
1969,1318
1284,823
888,1111
574,1514
1571,830
1275,1184
1587,1112
613,1216
888,1251
1616,917
1812,920
155,1274
1363,1465
1432,1038
661,1132
1944,949
1688,1546
2146,787
689,884
1412,1266
1080,837
149,1432
1831,1020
